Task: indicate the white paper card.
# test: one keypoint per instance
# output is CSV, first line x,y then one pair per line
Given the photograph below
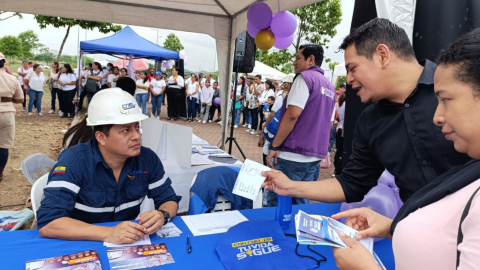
x,y
139,242
212,223
168,230
250,180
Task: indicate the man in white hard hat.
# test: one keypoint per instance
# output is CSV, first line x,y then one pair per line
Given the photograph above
x,y
10,92
107,178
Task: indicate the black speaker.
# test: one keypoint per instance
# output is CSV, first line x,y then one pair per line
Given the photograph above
x,y
244,58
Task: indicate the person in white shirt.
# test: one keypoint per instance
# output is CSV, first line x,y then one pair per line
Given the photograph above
x,y
174,94
35,81
141,93
254,105
111,78
206,97
53,75
240,94
67,80
96,73
157,88
262,100
192,96
250,113
209,77
22,72
189,80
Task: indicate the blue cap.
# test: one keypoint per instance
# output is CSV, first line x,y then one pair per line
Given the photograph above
x,y
158,73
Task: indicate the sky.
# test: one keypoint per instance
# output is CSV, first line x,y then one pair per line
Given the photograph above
x,y
200,48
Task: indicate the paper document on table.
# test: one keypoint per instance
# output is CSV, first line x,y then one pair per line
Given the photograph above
x,y
212,223
250,180
139,242
198,159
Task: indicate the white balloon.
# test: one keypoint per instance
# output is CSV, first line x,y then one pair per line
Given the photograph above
x,y
184,62
181,54
163,69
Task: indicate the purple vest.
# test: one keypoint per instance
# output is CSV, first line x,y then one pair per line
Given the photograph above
x,y
311,133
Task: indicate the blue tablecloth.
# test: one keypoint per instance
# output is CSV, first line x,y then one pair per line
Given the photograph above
x,y
18,247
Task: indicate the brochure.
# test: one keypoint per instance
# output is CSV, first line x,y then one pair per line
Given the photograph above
x,y
85,260
139,257
322,230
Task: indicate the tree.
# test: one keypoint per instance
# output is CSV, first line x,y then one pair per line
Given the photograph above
x,y
173,43
317,22
11,46
340,81
332,66
281,59
288,68
45,56
15,14
57,22
30,42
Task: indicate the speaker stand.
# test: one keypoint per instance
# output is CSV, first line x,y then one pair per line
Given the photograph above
x,y
232,139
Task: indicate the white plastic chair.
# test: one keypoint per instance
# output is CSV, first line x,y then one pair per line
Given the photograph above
x,y
36,194
36,165
226,205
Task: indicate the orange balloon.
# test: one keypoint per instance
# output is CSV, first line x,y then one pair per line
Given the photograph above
x,y
265,39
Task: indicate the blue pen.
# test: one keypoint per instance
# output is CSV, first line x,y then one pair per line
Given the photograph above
x,y
189,246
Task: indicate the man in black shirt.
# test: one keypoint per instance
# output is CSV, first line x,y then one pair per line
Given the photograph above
x,y
396,133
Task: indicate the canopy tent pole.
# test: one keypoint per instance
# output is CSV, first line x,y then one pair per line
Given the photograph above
x,y
226,83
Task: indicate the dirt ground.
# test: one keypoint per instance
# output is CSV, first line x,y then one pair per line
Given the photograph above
x,y
33,134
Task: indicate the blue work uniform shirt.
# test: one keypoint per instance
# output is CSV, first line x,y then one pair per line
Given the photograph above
x,y
82,186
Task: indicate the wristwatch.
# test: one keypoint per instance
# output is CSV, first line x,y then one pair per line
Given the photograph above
x,y
270,147
166,215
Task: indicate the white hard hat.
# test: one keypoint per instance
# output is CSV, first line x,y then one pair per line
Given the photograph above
x,y
113,107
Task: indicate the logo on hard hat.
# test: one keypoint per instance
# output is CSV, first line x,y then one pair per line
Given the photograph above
x,y
125,107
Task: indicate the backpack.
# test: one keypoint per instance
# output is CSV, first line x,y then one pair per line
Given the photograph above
x,y
271,129
91,85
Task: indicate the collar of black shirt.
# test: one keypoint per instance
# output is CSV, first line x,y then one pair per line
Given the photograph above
x,y
426,78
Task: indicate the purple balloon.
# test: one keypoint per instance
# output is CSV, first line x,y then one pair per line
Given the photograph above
x,y
217,100
259,15
283,43
165,64
380,199
252,31
283,24
389,180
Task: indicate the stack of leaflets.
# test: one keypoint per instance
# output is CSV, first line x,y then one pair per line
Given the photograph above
x,y
323,231
85,260
139,257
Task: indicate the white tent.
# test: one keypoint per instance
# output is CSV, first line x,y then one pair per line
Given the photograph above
x,y
221,19
339,71
267,72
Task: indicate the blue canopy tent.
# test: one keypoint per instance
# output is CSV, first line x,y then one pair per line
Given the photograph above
x,y
127,42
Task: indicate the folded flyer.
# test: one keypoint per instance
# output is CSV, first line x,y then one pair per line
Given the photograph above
x,y
85,260
322,230
139,257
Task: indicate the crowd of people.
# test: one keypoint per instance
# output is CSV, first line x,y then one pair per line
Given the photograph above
x,y
421,127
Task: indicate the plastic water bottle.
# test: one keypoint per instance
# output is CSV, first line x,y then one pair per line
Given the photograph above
x,y
284,211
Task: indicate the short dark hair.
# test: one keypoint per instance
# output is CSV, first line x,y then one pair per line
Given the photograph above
x,y
464,53
35,66
368,36
259,76
215,82
272,98
105,129
127,84
313,49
